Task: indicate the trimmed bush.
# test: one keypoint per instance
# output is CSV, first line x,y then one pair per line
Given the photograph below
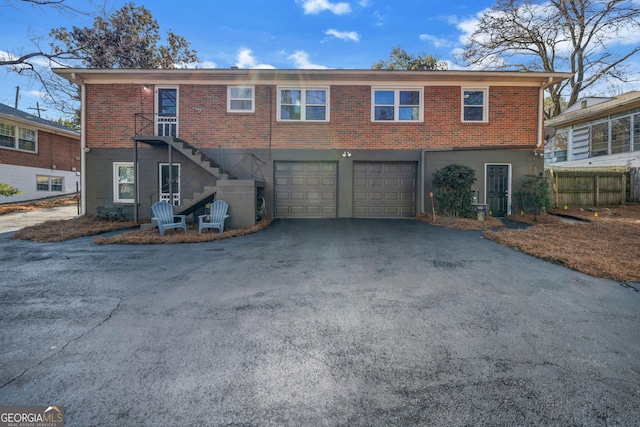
x,y
453,190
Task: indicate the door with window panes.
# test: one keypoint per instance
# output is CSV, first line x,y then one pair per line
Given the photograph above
x,y
170,186
166,111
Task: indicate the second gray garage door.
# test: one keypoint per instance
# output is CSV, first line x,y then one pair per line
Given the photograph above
x,y
384,189
305,189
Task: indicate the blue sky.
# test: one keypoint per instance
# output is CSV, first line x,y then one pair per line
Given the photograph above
x,y
262,33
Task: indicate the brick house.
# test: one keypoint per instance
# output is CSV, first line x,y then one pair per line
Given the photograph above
x,y
37,156
312,143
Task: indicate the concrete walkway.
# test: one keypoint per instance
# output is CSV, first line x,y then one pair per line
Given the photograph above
x,y
17,220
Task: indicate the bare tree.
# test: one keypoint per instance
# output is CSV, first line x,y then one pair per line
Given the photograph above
x,y
558,35
27,61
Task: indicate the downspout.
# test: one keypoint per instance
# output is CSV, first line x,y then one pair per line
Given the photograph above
x,y
540,117
83,150
544,86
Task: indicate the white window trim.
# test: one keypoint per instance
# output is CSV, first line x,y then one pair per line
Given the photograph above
x,y
303,105
253,99
485,105
116,198
396,106
16,138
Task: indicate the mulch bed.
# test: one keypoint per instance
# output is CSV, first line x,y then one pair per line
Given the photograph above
x,y
152,236
461,223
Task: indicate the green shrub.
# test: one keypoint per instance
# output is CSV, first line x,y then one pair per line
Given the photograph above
x,y
535,195
453,190
7,190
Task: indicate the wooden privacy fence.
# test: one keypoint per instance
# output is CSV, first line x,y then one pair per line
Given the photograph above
x,y
589,188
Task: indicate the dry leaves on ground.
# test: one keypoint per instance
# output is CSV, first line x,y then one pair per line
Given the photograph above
x,y
608,246
32,206
461,223
65,229
152,236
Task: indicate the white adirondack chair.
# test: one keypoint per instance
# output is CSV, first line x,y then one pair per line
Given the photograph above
x,y
216,216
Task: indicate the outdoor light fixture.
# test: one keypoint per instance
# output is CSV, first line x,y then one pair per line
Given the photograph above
x,y
346,154
146,87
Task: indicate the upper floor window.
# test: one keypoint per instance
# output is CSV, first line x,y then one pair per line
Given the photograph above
x,y
303,104
475,104
396,105
240,99
19,138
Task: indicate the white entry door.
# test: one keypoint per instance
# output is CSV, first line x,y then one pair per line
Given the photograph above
x,y
165,188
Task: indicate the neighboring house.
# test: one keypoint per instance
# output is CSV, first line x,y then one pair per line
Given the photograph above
x,y
312,143
39,157
596,132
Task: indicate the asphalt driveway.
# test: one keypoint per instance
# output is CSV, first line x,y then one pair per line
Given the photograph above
x,y
316,323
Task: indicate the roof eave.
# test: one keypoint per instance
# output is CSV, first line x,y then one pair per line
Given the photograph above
x,y
141,76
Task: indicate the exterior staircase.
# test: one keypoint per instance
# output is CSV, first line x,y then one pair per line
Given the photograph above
x,y
197,157
201,198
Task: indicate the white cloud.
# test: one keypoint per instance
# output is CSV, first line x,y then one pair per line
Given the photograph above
x,y
379,19
245,59
436,41
314,7
343,35
301,60
365,3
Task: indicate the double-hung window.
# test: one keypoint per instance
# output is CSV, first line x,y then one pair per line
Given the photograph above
x,y
19,138
49,183
240,99
396,105
123,183
475,106
303,104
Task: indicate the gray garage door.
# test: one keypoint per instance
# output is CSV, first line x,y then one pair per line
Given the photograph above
x,y
305,189
384,189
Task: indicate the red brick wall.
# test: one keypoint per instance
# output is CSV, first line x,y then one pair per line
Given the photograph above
x,y
62,151
204,121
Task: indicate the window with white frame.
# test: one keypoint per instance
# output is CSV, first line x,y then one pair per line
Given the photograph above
x,y
396,105
19,138
303,104
49,183
123,183
57,183
240,99
42,183
475,107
